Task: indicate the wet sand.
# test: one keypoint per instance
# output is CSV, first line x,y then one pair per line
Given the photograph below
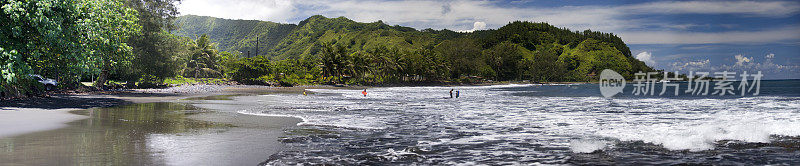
x,y
30,115
144,129
16,121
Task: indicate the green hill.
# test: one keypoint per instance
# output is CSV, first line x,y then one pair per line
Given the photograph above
x,y
234,35
517,51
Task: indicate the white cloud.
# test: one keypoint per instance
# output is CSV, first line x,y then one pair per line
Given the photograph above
x,y
770,70
749,64
476,26
770,56
755,8
646,57
463,14
458,14
742,60
682,26
678,37
699,65
272,10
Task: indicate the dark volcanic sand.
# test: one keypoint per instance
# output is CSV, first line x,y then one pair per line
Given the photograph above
x,y
167,132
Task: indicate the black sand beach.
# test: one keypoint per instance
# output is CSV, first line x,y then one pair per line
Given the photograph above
x,y
140,127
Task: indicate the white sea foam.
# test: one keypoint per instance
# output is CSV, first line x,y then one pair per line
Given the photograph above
x,y
343,122
266,114
393,155
491,113
702,137
586,145
697,131
483,138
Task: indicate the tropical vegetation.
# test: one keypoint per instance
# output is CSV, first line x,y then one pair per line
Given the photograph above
x,y
143,43
322,50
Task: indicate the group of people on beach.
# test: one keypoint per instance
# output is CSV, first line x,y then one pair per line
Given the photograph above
x,y
365,93
457,93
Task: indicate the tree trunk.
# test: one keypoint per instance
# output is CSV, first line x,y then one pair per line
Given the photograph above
x,y
103,78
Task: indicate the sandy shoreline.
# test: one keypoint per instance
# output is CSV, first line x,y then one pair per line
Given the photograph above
x,y
22,116
51,112
210,132
17,121
50,127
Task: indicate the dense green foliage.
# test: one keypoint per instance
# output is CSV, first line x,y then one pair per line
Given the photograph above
x,y
143,42
106,41
339,50
237,36
62,39
157,51
203,60
108,26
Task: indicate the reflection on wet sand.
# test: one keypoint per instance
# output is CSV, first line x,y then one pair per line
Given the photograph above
x,y
142,134
213,97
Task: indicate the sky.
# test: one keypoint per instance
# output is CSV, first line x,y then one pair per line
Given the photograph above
x,y
683,36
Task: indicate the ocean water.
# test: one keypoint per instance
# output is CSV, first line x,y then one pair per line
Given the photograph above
x,y
535,124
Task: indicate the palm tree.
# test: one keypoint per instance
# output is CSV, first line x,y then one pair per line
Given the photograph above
x,y
203,59
333,60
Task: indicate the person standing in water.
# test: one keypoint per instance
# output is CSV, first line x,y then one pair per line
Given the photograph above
x,y
451,93
364,92
304,93
457,93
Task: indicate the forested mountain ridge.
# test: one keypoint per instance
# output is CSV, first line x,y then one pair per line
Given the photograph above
x,y
378,53
288,40
306,39
233,35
